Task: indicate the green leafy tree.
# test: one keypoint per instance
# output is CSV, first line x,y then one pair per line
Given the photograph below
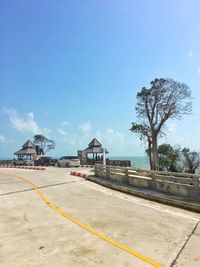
x,y
43,144
165,99
191,160
168,158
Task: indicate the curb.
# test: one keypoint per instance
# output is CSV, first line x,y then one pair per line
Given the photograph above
x,y
79,174
87,166
160,199
23,167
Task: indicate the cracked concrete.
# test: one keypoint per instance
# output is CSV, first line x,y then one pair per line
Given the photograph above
x,y
188,254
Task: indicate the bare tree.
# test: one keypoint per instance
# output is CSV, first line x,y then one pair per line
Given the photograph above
x,y
165,99
44,144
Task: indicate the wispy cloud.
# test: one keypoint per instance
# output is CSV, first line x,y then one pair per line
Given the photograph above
x,y
25,123
198,70
85,127
2,139
190,54
116,142
111,137
62,132
108,137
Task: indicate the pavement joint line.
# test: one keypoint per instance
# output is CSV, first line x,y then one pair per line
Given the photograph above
x,y
117,195
31,189
66,215
140,204
174,261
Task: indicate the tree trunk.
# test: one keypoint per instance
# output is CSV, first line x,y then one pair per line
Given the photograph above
x,y
150,154
154,153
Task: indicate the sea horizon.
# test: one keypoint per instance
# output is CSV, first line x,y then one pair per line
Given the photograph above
x,y
141,162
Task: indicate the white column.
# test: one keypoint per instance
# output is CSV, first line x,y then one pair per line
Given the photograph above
x,y
104,157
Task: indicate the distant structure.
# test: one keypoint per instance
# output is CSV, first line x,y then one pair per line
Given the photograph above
x,y
28,151
94,152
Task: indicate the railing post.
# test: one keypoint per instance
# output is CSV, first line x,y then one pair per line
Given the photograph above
x,y
107,172
153,180
196,189
126,180
153,176
95,170
104,171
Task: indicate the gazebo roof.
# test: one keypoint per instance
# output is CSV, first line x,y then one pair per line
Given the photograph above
x,y
94,147
28,144
94,143
27,149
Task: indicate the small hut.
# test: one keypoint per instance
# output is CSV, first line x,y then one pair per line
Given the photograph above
x,y
28,151
94,152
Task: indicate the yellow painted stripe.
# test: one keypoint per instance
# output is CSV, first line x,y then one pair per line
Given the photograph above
x,y
114,243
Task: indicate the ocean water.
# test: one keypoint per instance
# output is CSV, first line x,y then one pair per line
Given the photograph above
x,y
136,162
6,158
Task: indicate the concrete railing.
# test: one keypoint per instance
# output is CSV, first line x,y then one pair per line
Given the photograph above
x,y
178,184
122,163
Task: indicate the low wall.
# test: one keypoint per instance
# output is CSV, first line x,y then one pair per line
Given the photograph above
x,y
122,163
178,184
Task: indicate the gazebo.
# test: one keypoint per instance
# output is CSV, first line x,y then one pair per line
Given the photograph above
x,y
28,151
95,149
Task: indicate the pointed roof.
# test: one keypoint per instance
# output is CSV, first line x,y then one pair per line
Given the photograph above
x,y
95,147
28,144
94,143
27,149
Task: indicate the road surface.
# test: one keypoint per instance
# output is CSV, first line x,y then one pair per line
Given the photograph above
x,y
34,230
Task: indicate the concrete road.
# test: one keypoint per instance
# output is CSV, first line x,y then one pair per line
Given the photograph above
x,y
32,234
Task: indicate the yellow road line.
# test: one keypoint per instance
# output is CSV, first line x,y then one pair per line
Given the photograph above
x,y
114,243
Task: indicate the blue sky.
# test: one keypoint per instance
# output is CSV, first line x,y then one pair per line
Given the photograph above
x,y
71,70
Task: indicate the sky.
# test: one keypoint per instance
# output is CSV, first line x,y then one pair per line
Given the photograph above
x,y
71,70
